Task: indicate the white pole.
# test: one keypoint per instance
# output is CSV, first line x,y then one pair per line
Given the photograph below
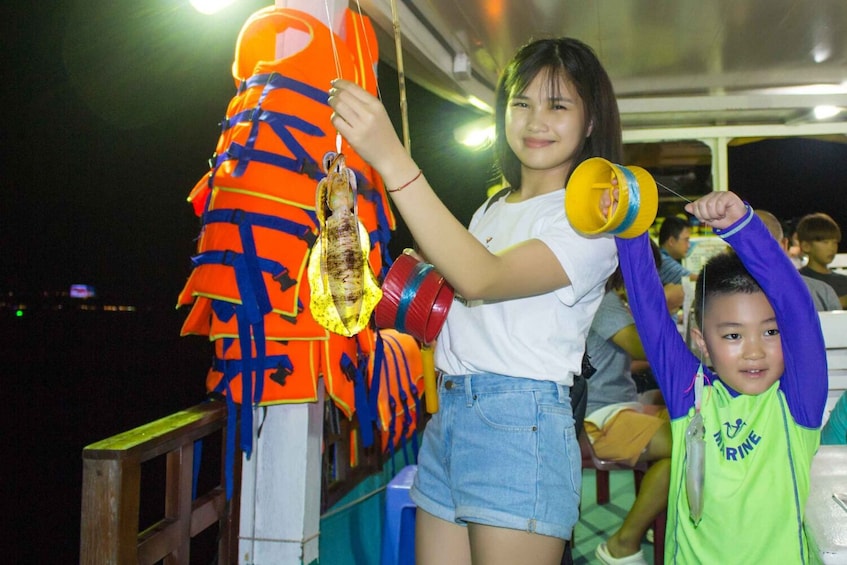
x,y
281,483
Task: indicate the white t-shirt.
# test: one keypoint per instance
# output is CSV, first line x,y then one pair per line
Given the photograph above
x,y
539,337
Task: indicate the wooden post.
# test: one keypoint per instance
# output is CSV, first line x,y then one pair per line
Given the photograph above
x,y
109,529
281,482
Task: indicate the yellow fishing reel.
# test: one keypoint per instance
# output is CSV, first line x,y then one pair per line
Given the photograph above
x,y
634,208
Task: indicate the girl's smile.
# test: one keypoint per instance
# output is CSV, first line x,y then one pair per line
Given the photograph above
x,y
545,128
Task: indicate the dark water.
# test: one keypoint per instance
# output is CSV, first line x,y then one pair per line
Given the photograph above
x,y
70,379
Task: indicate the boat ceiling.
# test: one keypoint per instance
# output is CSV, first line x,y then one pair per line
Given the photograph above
x,y
673,63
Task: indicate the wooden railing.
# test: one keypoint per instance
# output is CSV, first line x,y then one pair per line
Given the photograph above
x,y
111,487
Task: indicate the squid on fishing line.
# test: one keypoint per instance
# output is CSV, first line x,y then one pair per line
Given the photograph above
x,y
695,454
344,288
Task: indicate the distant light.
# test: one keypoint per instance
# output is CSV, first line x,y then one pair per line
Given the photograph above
x,y
19,313
826,112
210,7
82,291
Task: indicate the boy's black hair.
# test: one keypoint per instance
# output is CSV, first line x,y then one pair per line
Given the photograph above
x,y
672,227
723,274
818,227
577,63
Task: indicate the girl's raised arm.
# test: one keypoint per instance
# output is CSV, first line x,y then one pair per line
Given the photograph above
x,y
474,272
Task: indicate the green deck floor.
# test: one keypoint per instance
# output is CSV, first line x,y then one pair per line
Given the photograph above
x,y
596,523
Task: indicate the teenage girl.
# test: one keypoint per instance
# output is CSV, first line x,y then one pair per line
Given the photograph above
x,y
499,469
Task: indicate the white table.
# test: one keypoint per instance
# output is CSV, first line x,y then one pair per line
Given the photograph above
x,y
826,520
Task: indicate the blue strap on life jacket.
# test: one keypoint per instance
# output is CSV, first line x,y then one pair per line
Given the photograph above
x,y
404,398
413,390
356,373
276,80
251,333
376,378
252,373
232,367
392,407
251,277
224,312
195,470
301,162
240,217
231,417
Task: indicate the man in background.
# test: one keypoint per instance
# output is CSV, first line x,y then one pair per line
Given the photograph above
x,y
674,242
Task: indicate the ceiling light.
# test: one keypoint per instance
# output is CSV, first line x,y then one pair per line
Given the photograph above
x,y
480,104
477,134
821,54
826,112
209,7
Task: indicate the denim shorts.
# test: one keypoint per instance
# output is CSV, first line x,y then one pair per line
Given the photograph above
x,y
501,451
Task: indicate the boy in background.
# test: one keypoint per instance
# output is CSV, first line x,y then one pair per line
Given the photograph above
x,y
823,295
763,362
819,237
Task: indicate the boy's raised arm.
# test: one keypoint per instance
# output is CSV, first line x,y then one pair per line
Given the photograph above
x,y
804,381
673,364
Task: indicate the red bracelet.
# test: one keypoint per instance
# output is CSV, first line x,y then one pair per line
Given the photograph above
x,y
404,185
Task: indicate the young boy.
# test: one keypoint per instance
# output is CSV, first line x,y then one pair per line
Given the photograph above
x,y
819,236
766,383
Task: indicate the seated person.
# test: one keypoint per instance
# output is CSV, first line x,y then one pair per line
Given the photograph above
x,y
674,293
823,295
674,242
834,431
618,426
819,236
789,231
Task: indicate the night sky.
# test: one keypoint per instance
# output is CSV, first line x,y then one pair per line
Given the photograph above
x,y
111,113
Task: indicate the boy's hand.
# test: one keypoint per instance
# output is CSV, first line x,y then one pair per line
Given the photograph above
x,y
718,209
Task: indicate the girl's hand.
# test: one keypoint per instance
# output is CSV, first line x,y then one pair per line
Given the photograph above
x,y
362,120
718,209
609,199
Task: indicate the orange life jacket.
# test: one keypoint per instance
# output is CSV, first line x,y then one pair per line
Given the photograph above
x,y
396,373
257,205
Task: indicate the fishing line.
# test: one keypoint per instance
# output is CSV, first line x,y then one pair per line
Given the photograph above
x,y
368,46
669,189
337,61
335,56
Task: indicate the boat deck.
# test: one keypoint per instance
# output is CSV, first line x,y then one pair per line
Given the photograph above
x,y
598,522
